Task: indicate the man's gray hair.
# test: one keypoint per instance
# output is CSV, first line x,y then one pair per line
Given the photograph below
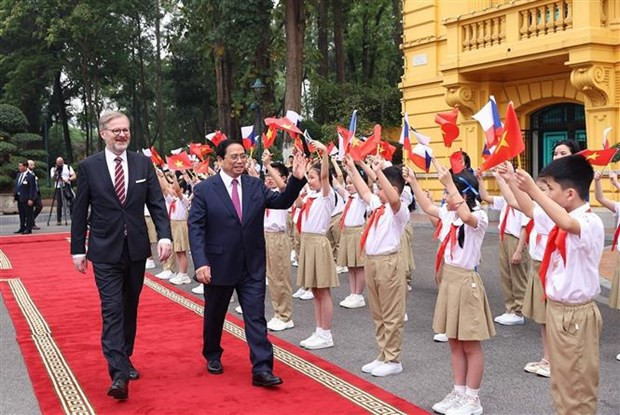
x,y
108,116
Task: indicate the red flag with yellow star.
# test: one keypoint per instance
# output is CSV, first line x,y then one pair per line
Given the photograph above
x,y
284,124
179,161
510,144
202,167
599,157
156,158
360,149
386,150
200,150
269,137
447,122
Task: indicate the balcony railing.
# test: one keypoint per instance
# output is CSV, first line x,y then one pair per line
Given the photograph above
x,y
544,19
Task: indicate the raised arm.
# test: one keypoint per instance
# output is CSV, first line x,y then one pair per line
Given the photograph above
x,y
273,173
423,200
392,195
372,177
358,182
339,177
505,189
600,196
484,195
445,177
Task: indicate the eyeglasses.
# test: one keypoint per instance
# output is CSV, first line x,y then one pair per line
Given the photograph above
x,y
238,156
118,131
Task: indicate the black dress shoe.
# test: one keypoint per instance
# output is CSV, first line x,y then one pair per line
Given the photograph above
x,y
133,372
27,232
19,231
36,228
119,389
215,367
265,379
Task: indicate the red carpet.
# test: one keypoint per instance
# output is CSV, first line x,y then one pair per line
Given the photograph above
x,y
69,373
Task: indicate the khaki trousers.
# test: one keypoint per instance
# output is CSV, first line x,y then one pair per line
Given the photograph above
x,y
333,234
573,333
513,278
387,290
279,274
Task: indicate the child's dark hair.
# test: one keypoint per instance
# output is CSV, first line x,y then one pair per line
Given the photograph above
x,y
571,144
317,167
395,177
281,168
572,171
467,185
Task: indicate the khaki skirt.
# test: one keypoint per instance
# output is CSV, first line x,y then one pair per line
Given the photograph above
x,y
614,296
534,307
462,310
349,253
150,227
316,262
180,239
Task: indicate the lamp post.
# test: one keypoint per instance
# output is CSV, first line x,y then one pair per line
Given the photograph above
x,y
258,87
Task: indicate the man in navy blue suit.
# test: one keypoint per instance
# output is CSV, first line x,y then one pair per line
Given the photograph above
x,y
25,194
228,249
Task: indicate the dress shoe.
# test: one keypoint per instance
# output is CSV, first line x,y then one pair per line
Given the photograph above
x,y
19,231
265,379
27,232
215,367
119,388
133,372
36,228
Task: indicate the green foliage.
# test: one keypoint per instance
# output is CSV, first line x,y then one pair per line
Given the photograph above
x,y
12,119
26,139
6,149
617,156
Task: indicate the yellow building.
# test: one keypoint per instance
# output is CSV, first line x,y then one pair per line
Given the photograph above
x,y
558,61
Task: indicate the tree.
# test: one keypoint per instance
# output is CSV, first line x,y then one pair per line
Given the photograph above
x,y
295,24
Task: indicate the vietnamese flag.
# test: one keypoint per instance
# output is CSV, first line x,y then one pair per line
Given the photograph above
x,y
283,124
202,167
447,122
510,145
300,147
457,164
386,150
156,158
200,150
269,137
216,137
599,157
179,161
361,149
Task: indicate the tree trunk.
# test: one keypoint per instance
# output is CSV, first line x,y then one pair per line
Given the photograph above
x,y
143,94
295,25
62,113
373,45
397,18
223,88
365,47
338,40
323,42
160,100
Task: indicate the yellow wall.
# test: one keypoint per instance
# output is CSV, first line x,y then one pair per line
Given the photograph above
x,y
532,52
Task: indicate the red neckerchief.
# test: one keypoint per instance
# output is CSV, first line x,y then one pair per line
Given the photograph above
x,y
450,237
346,210
437,230
374,219
555,241
304,209
172,208
502,225
614,245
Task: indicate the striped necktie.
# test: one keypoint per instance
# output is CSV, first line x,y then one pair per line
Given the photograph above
x,y
119,181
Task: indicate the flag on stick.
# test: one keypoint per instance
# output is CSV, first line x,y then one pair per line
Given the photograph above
x,y
599,157
605,140
488,118
156,158
510,145
216,137
422,156
269,137
200,150
457,163
447,122
202,167
179,161
247,136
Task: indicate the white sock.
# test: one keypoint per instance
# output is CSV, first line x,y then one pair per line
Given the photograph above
x,y
318,331
460,389
472,392
326,334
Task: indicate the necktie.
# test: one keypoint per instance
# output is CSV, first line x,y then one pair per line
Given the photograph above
x,y
267,212
374,219
614,245
235,198
346,210
502,226
450,237
304,209
555,241
119,181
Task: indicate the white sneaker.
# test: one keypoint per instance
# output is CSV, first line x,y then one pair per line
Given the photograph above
x,y
275,324
512,319
319,342
353,301
341,270
532,367
369,367
180,279
150,264
406,318
200,289
409,287
307,295
295,263
544,369
447,402
238,309
466,405
618,356
293,256
306,340
500,318
299,293
165,274
387,369
441,337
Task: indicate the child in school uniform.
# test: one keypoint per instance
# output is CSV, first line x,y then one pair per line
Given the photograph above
x,y
316,259
277,249
178,207
462,309
614,296
295,210
570,275
349,254
383,267
333,233
406,239
513,255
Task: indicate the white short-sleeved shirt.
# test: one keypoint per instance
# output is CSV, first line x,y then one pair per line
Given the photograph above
x,y
577,281
516,219
384,238
339,205
467,257
318,218
177,207
617,205
275,219
540,234
406,196
357,211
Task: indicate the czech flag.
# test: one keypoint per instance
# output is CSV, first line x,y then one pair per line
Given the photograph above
x,y
247,136
422,156
488,118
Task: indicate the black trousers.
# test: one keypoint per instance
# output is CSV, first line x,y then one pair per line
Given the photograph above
x,y
119,288
251,294
37,208
25,216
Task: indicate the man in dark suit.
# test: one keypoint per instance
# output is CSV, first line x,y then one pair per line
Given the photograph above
x,y
116,184
25,194
38,204
228,249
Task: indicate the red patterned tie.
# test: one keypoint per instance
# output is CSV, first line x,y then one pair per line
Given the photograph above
x,y
374,219
119,180
556,241
346,210
502,226
614,245
451,237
